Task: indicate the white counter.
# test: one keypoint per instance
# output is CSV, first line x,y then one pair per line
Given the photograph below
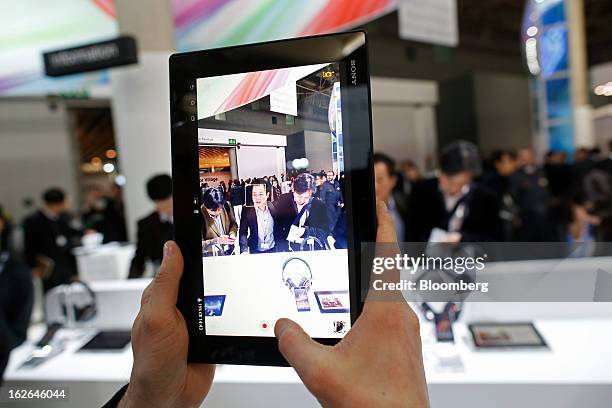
x,y
575,372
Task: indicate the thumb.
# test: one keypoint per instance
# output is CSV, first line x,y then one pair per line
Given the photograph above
x,y
301,352
166,283
386,227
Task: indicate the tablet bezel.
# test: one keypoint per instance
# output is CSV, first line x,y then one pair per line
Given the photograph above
x,y
350,49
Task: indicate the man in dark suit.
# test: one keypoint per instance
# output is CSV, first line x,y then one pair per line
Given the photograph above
x,y
219,227
106,215
459,209
530,190
156,228
49,239
300,216
385,179
16,297
257,223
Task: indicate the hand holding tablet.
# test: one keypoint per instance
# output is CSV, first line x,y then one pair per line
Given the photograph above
x,y
385,340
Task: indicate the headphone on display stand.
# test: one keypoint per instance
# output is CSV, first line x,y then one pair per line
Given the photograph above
x,y
294,269
81,310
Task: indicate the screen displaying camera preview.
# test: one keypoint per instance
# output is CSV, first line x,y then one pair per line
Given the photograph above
x,y
273,218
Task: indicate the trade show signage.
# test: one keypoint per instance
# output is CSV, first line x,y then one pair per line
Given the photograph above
x,y
284,100
91,57
429,21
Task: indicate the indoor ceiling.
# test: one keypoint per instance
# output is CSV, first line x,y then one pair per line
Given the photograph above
x,y
494,26
212,156
94,132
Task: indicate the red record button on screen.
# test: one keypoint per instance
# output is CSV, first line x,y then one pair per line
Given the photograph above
x,y
264,325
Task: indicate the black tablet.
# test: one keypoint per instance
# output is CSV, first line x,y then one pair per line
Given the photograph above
x,y
108,340
506,335
273,191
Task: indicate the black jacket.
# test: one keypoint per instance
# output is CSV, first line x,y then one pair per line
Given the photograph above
x,y
152,235
331,197
427,210
237,195
16,297
285,210
109,221
248,232
530,192
47,239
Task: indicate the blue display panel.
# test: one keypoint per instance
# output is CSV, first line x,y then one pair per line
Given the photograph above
x,y
558,100
561,138
554,55
555,14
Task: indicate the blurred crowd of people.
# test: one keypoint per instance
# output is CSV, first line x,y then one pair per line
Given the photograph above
x,y
511,196
263,215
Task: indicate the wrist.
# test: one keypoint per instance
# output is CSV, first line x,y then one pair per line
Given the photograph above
x,y
133,399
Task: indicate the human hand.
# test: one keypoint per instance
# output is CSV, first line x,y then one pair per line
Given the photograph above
x,y
226,240
161,376
295,233
377,364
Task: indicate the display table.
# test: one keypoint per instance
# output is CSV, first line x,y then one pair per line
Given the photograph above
x,y
104,262
574,372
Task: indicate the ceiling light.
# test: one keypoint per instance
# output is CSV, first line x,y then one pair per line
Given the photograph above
x,y
532,31
120,180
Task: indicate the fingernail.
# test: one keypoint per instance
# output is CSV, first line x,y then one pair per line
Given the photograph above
x,y
168,250
281,326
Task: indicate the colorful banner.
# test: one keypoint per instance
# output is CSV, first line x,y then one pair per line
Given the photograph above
x,y
29,27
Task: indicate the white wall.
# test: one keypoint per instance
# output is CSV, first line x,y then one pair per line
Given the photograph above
x,y
403,118
141,117
259,161
318,148
35,152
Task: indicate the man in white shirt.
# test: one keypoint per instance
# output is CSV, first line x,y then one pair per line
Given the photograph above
x,y
256,235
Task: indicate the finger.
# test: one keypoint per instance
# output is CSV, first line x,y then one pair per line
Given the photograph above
x,y
386,227
164,291
146,295
386,247
300,351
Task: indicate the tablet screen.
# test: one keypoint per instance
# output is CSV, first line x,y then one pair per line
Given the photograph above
x,y
271,172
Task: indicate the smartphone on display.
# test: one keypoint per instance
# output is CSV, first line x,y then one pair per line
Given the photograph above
x,y
271,144
301,300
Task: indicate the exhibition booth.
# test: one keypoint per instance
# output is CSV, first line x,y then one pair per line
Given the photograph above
x,y
571,370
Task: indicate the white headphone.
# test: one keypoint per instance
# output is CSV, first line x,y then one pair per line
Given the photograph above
x,y
297,270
